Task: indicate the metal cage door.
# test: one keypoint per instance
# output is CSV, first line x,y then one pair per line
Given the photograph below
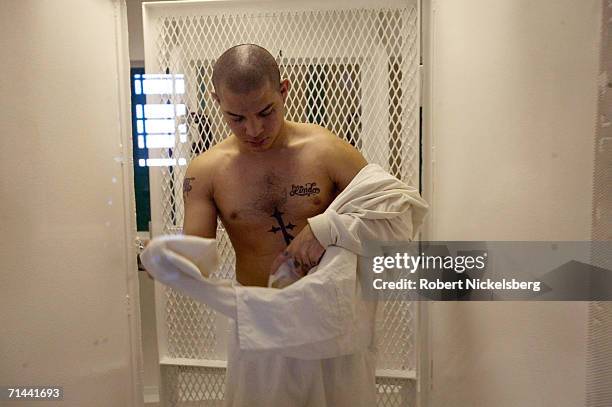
x,y
354,68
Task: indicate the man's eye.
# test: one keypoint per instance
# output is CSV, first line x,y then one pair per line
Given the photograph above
x,y
264,114
237,119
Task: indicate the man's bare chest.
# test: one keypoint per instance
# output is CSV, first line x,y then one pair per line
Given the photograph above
x,y
270,202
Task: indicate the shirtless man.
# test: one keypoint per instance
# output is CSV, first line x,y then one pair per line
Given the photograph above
x,y
269,176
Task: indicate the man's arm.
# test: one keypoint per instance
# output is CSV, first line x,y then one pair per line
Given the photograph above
x,y
200,211
343,162
200,215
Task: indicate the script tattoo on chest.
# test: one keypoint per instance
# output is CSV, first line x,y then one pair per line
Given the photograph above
x,y
187,185
310,188
282,227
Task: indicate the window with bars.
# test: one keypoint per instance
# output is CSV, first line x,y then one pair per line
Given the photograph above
x,y
139,152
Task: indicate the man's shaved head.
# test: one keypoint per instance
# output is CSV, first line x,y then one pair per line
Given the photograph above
x,y
244,68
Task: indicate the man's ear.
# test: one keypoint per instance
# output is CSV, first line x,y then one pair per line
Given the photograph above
x,y
284,89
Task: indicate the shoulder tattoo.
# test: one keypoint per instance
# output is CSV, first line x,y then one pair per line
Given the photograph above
x,y
187,186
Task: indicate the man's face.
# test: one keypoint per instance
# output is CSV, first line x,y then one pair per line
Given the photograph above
x,y
255,117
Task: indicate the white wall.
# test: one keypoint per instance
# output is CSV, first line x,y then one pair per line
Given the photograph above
x,y
512,121
67,277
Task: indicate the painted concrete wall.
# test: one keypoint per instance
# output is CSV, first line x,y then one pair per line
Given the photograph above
x,y
513,90
68,316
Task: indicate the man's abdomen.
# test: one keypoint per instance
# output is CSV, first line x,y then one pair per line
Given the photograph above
x,y
255,253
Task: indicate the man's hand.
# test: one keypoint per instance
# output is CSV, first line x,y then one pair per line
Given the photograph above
x,y
304,249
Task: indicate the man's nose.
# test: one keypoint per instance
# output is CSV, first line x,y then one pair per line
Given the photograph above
x,y
254,127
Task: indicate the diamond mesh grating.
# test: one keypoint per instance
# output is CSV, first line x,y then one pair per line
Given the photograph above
x,y
395,392
192,386
353,71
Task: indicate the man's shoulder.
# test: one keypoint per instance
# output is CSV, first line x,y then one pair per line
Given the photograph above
x,y
340,158
205,165
318,137
327,144
213,157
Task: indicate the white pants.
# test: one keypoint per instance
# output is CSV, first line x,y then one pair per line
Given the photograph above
x,y
266,379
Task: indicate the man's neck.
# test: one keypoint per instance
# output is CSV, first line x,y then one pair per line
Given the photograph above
x,y
283,136
281,141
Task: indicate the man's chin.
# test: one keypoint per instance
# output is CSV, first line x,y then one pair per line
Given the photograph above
x,y
262,145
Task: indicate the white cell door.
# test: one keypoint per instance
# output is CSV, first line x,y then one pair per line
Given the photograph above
x,y
68,279
354,68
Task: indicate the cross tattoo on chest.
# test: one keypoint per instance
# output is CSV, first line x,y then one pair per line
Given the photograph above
x,y
281,226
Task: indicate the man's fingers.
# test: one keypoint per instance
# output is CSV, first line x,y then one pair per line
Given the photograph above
x,y
280,259
300,267
305,251
313,256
